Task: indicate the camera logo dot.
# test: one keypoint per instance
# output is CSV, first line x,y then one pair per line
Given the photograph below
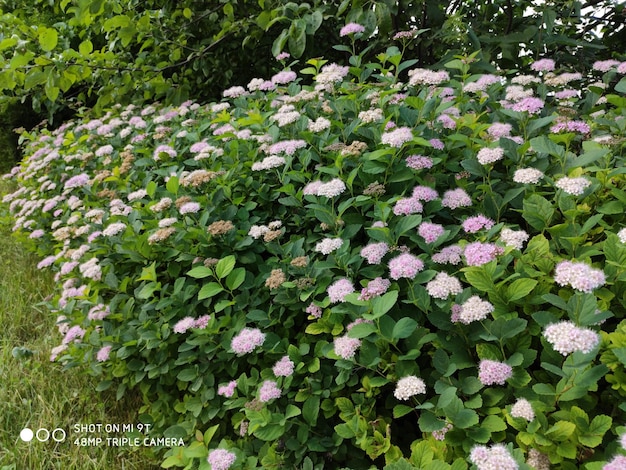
x,y
27,434
43,435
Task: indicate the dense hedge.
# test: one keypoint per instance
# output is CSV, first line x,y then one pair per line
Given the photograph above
x,y
428,273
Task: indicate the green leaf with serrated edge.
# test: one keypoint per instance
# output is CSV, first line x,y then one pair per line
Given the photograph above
x,y
428,422
209,290
520,288
561,430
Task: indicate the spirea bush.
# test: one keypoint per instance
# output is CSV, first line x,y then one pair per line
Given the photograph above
x,y
355,272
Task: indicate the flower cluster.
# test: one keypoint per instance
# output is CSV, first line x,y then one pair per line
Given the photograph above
x,y
247,340
523,409
491,458
443,285
408,387
566,338
579,276
474,309
494,372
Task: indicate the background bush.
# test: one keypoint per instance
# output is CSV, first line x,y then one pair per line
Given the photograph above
x,y
260,211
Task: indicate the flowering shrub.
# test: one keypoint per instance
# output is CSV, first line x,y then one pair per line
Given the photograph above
x,y
357,272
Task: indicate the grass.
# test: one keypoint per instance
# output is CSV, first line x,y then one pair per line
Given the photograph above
x,y
36,393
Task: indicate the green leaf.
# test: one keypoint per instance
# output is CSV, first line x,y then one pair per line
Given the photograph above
x,y
297,38
465,418
48,38
187,375
224,266
401,410
404,328
209,290
86,47
481,277
520,288
271,432
381,305
402,464
561,430
621,86
538,212
235,278
428,422
362,330
494,424
200,272
345,431
594,434
311,409
292,411
172,184
544,145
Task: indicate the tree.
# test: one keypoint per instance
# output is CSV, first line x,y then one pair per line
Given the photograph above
x,y
68,53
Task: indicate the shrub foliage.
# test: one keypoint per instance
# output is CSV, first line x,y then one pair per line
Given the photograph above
x,y
391,266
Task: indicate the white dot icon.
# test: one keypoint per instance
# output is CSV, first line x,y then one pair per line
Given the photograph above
x,y
27,434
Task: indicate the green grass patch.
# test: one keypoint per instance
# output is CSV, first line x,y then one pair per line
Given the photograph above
x,y
36,393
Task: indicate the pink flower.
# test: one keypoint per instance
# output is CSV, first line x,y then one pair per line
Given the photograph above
x,y
75,334
430,232
351,28
566,338
408,387
284,367
443,285
202,322
405,265
227,390
543,65
529,104
164,149
456,198
477,253
374,252
495,457
618,463
424,193
580,276
269,391
474,309
247,341
338,290
523,409
103,354
494,372
489,155
375,287
345,347
407,206
221,459
397,137
476,223
77,181
184,325
285,76
314,310
449,255
189,208
419,162
498,129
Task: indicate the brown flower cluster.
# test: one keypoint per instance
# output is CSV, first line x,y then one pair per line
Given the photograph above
x,y
101,175
374,189
271,235
198,177
300,261
107,194
276,279
182,201
127,163
160,235
220,227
